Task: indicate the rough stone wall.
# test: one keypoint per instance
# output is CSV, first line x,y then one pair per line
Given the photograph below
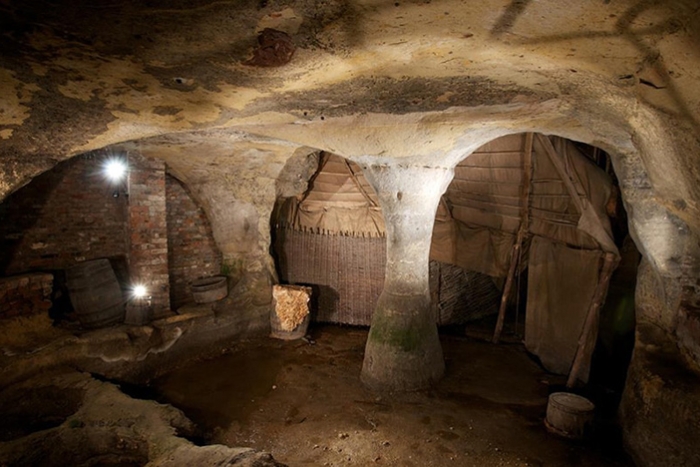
x,y
688,326
672,302
660,410
192,252
25,294
239,195
64,216
148,230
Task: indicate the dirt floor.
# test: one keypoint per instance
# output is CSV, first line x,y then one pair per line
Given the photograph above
x,y
304,403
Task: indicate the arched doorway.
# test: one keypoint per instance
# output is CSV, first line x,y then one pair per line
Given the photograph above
x,y
332,237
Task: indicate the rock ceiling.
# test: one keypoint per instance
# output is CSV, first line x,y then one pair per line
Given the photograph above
x,y
429,79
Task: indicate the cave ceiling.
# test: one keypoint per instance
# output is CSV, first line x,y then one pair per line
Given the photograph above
x,y
366,77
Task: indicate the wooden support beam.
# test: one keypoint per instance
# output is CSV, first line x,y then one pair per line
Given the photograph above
x,y
589,333
359,186
523,232
514,255
561,170
590,221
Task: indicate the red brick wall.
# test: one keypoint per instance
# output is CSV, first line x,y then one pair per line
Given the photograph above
x,y
148,230
193,252
25,294
64,216
69,214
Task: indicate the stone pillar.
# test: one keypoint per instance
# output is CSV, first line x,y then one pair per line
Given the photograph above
x,y
403,351
148,236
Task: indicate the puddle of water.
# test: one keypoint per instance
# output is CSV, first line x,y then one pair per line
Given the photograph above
x,y
215,393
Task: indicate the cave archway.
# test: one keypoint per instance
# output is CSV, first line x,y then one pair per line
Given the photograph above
x,y
509,213
489,204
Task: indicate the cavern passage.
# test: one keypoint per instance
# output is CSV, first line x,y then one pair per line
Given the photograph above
x,y
421,166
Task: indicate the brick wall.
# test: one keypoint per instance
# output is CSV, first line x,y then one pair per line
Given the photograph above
x,y
69,214
64,216
148,231
193,252
25,294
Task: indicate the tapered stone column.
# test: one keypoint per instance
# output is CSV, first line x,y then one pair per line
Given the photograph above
x,y
403,351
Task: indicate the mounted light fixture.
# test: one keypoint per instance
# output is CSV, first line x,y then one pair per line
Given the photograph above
x,y
139,291
115,169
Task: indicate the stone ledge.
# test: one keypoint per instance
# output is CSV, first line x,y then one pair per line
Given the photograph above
x,y
102,425
138,353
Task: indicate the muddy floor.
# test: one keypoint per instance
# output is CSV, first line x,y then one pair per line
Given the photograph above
x,y
304,403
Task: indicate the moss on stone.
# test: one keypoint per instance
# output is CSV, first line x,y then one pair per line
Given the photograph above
x,y
408,338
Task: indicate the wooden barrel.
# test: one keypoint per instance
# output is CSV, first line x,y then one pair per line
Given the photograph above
x,y
95,294
209,289
569,415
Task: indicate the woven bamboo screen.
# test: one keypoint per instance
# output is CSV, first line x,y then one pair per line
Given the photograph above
x,y
347,275
461,296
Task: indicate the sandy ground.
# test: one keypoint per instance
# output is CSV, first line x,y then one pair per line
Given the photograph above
x,y
305,404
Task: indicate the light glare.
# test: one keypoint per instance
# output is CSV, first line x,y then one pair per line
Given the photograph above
x,y
115,169
140,291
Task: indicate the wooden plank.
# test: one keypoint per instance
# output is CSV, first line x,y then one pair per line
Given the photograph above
x,y
475,217
523,231
493,159
488,174
471,199
561,170
589,333
365,193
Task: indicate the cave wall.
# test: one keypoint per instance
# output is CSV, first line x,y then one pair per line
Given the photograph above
x,y
236,180
429,81
192,252
688,328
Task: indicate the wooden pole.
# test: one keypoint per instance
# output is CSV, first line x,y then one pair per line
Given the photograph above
x,y
522,234
561,170
514,255
589,334
359,186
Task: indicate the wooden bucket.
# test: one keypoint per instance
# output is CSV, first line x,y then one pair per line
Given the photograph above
x,y
569,415
209,289
95,294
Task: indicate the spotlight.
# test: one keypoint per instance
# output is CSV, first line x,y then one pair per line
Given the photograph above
x,y
115,169
139,291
